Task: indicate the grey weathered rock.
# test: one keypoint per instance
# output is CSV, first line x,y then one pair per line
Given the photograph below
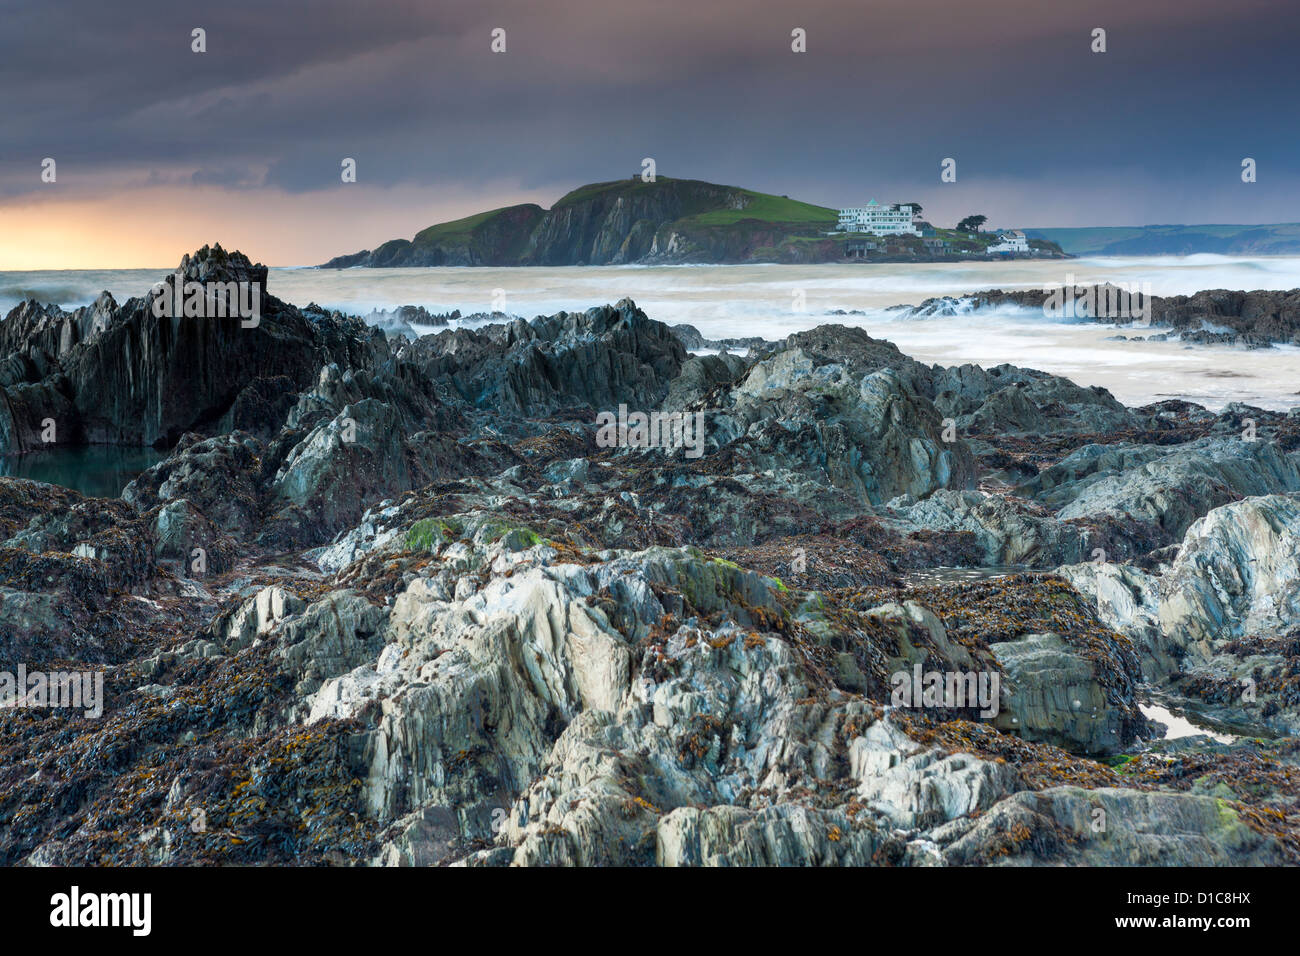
x,y
872,435
441,624
699,375
350,459
918,788
1056,694
1108,827
219,476
1238,573
600,358
1009,532
775,836
1128,600
183,533
1008,400
255,618
1174,487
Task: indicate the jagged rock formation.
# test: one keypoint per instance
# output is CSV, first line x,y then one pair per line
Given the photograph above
x,y
1238,572
391,602
599,358
121,375
1214,316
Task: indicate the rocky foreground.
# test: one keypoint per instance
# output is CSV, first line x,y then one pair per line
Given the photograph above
x,y
390,602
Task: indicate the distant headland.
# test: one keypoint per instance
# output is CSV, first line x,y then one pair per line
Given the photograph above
x,y
676,221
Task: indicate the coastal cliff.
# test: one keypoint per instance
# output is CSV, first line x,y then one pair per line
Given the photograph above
x,y
629,221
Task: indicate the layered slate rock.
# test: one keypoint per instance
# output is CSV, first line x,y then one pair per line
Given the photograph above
x,y
870,434
599,359
1237,573
1076,827
1055,695
1173,488
438,623
133,378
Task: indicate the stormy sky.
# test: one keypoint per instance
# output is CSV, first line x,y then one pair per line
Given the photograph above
x,y
160,149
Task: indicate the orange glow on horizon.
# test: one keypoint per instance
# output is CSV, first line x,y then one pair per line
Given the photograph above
x,y
153,227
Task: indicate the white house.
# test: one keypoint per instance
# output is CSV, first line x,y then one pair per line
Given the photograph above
x,y
879,220
1013,241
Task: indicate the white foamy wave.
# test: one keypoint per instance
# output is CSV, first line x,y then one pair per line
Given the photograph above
x,y
773,301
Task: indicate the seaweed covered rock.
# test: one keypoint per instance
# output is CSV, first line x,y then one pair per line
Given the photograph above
x,y
872,436
439,623
1055,695
1128,600
1174,487
1109,827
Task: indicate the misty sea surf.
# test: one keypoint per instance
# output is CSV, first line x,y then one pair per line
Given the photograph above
x,y
764,300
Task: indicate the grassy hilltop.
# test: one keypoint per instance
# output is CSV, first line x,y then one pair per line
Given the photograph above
x,y
669,220
665,221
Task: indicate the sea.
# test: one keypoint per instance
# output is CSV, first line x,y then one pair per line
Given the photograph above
x,y
772,301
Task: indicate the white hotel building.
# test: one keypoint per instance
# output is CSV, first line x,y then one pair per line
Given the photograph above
x,y
1013,241
878,220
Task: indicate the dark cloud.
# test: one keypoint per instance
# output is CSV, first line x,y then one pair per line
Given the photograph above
x,y
411,91
230,177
